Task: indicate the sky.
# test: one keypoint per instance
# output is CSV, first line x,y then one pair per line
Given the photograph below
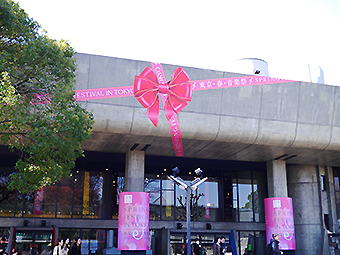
x,y
299,39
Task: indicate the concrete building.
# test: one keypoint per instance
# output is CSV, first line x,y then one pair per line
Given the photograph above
x,y
253,142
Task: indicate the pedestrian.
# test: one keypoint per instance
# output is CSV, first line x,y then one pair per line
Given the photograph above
x,y
222,248
15,252
75,247
274,242
197,248
217,247
2,245
229,250
65,248
58,247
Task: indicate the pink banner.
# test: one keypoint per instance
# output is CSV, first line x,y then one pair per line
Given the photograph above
x,y
112,92
175,131
133,222
151,101
280,220
38,200
127,91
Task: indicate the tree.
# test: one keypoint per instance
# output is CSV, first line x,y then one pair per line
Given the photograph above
x,y
39,116
195,209
249,204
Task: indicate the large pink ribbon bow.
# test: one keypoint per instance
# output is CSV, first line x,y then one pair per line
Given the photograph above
x,y
178,91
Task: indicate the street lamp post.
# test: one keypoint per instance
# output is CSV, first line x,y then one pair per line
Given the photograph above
x,y
192,186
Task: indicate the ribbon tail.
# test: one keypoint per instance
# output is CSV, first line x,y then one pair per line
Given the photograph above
x,y
153,112
168,110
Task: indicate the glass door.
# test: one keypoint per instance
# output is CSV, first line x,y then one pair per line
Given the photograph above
x,y
33,242
205,241
177,243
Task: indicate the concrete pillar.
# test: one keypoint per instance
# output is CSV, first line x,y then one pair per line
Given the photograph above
x,y
277,178
134,180
134,171
304,189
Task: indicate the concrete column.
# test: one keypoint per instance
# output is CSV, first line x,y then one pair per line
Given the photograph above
x,y
303,188
277,178
134,171
134,180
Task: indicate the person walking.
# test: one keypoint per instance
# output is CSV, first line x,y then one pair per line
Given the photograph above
x,y
58,247
217,247
222,245
15,252
75,247
65,248
197,247
2,245
229,250
274,242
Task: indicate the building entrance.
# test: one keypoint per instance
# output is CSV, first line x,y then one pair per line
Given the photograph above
x,y
206,240
33,242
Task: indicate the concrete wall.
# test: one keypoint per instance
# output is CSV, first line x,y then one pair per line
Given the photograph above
x,y
220,123
304,189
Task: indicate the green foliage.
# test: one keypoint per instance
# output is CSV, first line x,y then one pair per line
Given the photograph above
x,y
249,204
39,116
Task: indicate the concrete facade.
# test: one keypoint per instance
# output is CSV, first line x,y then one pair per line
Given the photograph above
x,y
257,123
292,127
295,124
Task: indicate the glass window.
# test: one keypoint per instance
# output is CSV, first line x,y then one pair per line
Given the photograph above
x,y
228,196
181,204
118,184
65,194
19,204
167,199
207,201
78,184
28,201
245,196
93,240
152,186
49,201
246,207
235,198
323,185
336,174
246,241
93,191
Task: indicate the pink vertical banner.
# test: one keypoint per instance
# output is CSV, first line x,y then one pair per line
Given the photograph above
x,y
133,221
38,200
280,220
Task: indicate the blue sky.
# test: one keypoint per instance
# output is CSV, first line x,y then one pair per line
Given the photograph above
x,y
295,37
